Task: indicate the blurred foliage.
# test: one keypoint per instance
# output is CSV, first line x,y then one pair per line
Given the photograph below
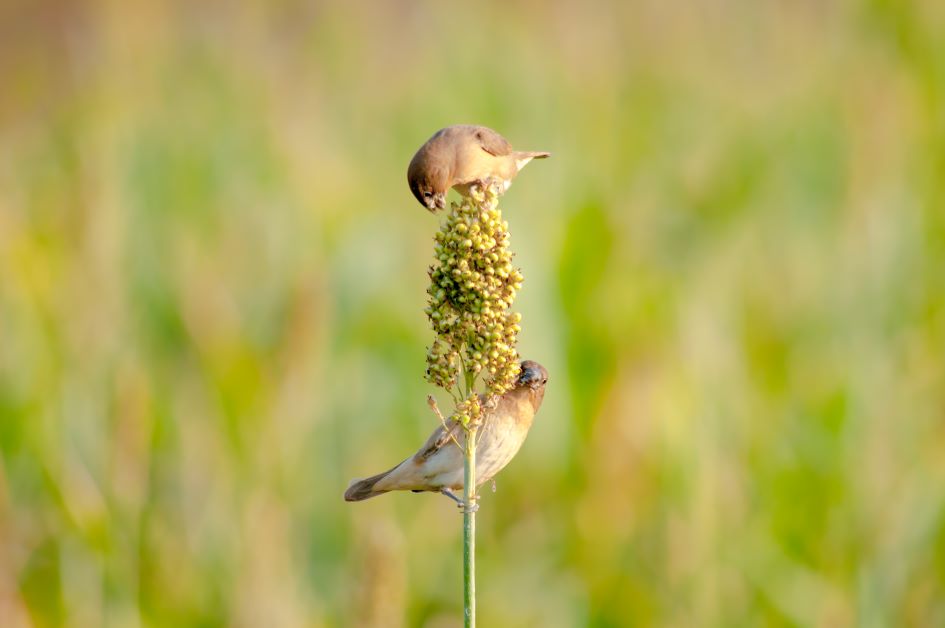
x,y
212,281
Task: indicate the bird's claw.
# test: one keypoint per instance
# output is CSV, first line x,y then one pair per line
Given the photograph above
x,y
481,186
472,508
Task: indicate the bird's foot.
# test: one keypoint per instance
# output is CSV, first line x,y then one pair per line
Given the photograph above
x,y
495,184
480,188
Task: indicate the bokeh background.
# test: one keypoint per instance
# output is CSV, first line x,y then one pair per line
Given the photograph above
x,y
213,279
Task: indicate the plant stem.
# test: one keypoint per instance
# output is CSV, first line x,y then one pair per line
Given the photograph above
x,y
470,382
469,527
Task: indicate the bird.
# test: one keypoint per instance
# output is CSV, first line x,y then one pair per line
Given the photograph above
x,y
438,464
460,157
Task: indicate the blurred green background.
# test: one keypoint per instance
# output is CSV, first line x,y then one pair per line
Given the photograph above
x,y
213,279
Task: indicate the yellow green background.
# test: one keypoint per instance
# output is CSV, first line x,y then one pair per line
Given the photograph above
x,y
212,281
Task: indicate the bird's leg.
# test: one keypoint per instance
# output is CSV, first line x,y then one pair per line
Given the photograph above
x,y
452,496
459,502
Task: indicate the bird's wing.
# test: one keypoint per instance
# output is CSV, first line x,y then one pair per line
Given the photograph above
x,y
492,142
441,436
438,439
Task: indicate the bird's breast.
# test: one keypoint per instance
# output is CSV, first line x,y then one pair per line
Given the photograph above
x,y
499,443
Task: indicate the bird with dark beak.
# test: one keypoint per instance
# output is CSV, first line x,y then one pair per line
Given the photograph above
x,y
438,465
460,157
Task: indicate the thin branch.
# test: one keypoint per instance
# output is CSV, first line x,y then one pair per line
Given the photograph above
x,y
433,406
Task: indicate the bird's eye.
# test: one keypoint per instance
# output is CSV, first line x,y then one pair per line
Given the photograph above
x,y
544,381
427,195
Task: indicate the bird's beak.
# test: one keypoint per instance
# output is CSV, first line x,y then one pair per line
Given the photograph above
x,y
440,200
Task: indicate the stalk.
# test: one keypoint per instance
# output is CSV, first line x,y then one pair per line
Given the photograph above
x,y
469,528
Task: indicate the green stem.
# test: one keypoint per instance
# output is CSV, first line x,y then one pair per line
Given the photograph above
x,y
470,383
469,528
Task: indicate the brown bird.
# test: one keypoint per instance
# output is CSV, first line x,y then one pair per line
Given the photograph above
x,y
438,465
459,157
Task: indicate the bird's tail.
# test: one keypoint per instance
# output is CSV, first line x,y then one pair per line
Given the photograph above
x,y
522,157
364,489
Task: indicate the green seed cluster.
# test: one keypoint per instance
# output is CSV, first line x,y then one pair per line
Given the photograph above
x,y
472,287
469,410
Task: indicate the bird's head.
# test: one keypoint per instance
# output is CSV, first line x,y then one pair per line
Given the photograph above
x,y
426,185
533,376
431,199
